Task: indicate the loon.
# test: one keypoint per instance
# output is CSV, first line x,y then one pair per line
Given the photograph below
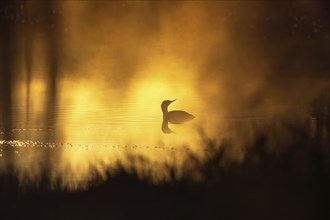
x,y
173,117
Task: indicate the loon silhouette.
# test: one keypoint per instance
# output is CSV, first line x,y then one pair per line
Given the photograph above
x,y
173,117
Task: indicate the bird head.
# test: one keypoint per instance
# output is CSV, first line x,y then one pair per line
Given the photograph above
x,y
165,104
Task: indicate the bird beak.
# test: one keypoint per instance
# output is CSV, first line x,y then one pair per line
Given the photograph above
x,y
173,100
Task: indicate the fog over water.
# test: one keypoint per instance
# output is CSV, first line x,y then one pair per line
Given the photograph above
x,y
81,84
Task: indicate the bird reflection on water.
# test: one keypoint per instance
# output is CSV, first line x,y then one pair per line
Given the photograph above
x,y
173,117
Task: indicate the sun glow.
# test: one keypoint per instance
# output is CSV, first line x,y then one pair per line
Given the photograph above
x,y
106,128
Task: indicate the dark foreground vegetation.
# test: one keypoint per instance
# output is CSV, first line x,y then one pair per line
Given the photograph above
x,y
293,184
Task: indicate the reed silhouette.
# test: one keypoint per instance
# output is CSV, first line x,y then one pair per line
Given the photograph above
x,y
173,117
294,182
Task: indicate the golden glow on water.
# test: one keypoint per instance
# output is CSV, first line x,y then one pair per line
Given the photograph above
x,y
97,117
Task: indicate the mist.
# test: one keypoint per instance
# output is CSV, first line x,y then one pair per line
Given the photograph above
x,y
92,75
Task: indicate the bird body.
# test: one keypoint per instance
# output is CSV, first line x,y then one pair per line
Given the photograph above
x,y
178,117
173,117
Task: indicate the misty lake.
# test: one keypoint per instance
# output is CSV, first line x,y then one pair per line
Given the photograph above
x,y
145,109
82,85
80,137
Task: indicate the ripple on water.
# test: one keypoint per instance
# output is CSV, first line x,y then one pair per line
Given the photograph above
x,y
36,144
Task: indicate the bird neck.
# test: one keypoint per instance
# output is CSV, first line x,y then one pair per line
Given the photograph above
x,y
164,109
